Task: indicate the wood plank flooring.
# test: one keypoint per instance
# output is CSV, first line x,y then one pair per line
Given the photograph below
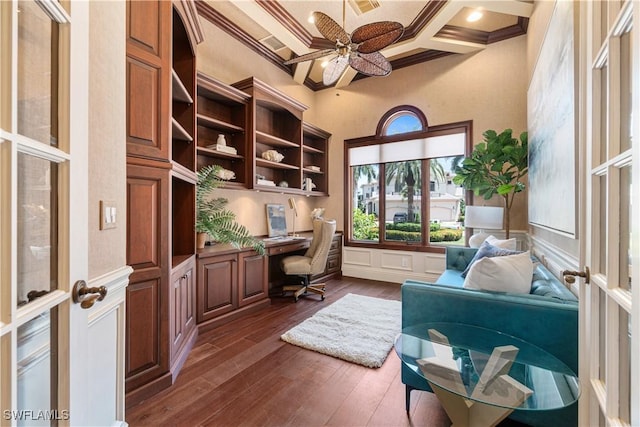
x,y
242,374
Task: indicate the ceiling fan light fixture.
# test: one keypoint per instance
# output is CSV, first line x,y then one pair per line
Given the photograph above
x,y
474,16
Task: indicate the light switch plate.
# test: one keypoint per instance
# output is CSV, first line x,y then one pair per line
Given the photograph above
x,y
107,215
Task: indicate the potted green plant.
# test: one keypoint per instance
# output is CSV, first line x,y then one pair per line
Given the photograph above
x,y
213,219
496,166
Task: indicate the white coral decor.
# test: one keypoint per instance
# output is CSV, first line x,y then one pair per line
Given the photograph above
x,y
273,156
226,174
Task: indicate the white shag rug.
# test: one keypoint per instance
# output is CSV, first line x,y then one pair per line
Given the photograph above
x,y
355,328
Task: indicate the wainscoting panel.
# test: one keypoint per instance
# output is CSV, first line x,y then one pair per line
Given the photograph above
x,y
357,257
106,324
397,261
434,264
391,266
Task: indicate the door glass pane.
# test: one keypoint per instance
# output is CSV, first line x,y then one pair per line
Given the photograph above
x,y
37,74
37,227
446,203
602,224
626,87
366,202
625,228
624,366
604,115
37,375
403,189
602,334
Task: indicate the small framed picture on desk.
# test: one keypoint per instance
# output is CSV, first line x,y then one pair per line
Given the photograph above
x,y
276,220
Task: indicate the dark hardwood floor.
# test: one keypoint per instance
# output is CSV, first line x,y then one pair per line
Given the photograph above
x,y
242,374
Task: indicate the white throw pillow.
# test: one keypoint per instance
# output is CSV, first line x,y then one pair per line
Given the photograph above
x,y
510,244
512,273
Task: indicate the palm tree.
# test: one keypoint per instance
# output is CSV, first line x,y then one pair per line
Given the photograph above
x,y
406,177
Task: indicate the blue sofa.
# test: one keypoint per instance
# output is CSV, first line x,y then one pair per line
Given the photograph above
x,y
547,318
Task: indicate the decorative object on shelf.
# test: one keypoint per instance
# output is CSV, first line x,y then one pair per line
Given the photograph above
x,y
360,50
226,174
496,166
283,184
294,208
483,218
314,168
272,155
308,184
268,182
221,145
212,217
317,213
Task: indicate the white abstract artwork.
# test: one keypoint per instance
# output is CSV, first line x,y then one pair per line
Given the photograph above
x,y
552,140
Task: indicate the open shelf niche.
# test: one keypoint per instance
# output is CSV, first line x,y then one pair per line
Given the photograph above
x,y
275,126
223,110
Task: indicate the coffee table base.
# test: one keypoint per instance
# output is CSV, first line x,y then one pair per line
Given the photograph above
x,y
468,413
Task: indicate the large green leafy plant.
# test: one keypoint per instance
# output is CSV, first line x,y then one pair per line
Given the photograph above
x,y
496,166
213,218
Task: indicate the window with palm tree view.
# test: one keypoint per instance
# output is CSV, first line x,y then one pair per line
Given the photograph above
x,y
401,183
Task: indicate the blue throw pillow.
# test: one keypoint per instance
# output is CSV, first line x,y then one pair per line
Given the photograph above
x,y
489,251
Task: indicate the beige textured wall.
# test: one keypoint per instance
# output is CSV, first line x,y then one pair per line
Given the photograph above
x,y
488,87
538,24
107,148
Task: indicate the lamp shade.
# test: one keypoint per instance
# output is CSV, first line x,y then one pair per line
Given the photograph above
x,y
484,217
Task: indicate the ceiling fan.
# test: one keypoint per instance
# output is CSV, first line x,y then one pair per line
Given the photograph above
x,y
360,50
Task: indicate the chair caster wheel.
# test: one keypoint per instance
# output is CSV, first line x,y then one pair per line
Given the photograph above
x,y
295,299
322,298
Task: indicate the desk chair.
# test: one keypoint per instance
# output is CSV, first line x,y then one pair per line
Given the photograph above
x,y
312,262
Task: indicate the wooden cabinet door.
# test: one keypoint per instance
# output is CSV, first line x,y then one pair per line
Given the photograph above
x,y
147,216
182,306
148,78
252,277
217,286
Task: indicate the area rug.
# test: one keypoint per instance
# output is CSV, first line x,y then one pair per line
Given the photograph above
x,y
355,328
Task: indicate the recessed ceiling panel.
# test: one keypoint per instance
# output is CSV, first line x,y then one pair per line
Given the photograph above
x,y
490,21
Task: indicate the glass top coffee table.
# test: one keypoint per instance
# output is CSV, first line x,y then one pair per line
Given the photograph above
x,y
480,375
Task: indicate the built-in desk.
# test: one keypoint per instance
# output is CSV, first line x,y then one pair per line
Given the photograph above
x,y
232,282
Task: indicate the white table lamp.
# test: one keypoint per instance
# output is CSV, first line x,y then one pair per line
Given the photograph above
x,y
482,218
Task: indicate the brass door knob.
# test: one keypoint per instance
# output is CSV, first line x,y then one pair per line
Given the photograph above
x,y
570,276
87,296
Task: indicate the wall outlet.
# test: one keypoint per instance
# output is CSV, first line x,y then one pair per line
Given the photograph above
x,y
108,215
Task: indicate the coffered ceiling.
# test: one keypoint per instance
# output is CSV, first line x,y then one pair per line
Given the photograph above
x,y
280,30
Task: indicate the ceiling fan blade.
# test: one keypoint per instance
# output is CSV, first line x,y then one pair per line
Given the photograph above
x,y
370,64
377,35
329,29
309,56
334,69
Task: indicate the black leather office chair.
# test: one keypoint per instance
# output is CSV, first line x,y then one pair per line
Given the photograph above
x,y
312,262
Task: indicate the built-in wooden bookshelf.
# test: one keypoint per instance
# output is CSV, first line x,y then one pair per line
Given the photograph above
x,y
256,118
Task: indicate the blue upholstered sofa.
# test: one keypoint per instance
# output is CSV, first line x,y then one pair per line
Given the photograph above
x,y
547,317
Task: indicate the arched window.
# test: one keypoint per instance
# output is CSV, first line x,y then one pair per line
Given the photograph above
x,y
402,119
400,191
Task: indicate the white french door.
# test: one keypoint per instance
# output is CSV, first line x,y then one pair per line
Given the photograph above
x,y
44,368
610,304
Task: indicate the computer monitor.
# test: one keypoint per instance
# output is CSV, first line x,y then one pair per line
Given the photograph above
x,y
276,220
